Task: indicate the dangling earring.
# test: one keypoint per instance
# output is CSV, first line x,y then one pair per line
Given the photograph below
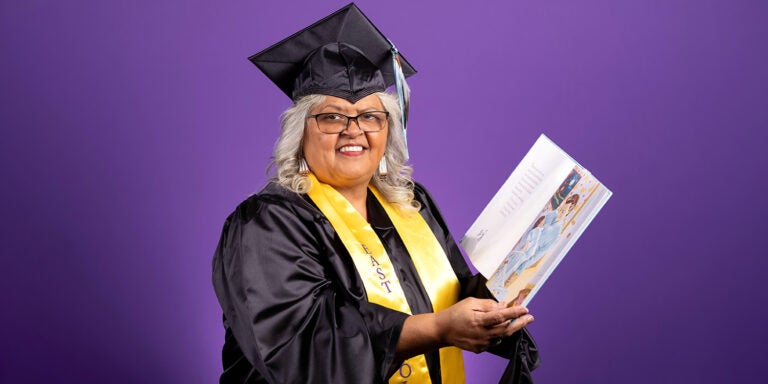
x,y
303,167
383,167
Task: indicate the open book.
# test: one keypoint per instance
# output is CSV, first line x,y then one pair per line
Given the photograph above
x,y
532,222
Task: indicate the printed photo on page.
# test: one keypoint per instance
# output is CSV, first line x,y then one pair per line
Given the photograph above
x,y
555,229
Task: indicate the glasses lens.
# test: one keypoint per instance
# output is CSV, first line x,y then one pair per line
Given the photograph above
x,y
331,122
372,121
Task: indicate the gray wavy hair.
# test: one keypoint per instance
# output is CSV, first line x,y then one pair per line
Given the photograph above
x,y
396,187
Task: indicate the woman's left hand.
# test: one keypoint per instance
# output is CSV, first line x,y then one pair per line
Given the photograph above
x,y
471,324
476,324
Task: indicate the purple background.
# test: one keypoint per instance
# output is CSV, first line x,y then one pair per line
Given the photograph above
x,y
131,129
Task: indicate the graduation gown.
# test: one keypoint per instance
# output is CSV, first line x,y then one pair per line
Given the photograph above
x,y
295,310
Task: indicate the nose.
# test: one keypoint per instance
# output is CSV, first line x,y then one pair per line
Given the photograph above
x,y
353,129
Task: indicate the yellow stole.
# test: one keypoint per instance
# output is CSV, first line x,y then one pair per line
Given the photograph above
x,y
378,274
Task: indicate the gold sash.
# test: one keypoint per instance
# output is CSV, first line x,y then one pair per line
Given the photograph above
x,y
378,274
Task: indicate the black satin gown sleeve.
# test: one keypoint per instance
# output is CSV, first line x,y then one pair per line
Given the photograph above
x,y
294,310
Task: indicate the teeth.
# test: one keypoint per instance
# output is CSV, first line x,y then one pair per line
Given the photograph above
x,y
351,148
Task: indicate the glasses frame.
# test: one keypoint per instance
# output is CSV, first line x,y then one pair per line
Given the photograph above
x,y
349,120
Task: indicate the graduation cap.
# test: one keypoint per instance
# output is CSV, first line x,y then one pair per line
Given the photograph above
x,y
342,55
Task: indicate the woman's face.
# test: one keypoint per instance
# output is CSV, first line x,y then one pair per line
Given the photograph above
x,y
564,210
347,159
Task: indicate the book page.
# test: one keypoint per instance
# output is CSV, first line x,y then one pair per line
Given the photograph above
x,y
514,207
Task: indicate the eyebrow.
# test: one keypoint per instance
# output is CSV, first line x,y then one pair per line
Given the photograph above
x,y
331,107
339,109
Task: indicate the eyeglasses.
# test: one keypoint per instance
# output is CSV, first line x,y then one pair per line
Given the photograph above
x,y
371,121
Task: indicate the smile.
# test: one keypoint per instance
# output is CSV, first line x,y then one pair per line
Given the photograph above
x,y
351,148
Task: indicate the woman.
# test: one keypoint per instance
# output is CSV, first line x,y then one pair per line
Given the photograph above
x,y
342,270
554,221
513,264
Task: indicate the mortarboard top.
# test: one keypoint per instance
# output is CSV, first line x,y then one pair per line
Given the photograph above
x,y
342,55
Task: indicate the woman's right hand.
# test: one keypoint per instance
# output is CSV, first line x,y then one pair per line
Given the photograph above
x,y
474,324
